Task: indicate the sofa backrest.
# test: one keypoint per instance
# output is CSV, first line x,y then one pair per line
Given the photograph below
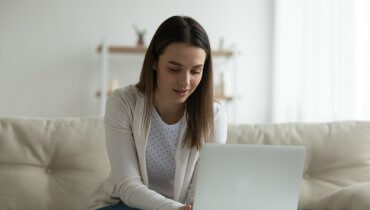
x,y
50,163
57,163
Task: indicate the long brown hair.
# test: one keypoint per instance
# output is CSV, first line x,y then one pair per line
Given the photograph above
x,y
199,105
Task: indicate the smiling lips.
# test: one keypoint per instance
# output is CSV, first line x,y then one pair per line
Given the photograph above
x,y
181,92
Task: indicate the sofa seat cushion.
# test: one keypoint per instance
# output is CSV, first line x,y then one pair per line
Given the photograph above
x,y
354,197
50,164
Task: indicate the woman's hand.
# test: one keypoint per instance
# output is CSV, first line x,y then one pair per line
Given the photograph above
x,y
187,207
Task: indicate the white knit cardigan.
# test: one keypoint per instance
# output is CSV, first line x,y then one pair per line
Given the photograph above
x,y
126,144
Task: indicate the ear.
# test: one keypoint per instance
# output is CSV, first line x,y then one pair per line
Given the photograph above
x,y
154,66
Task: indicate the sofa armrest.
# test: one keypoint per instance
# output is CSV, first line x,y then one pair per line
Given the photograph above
x,y
354,197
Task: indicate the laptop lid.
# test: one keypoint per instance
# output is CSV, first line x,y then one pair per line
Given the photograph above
x,y
249,177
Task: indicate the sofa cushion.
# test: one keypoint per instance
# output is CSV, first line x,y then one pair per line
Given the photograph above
x,y
50,164
355,197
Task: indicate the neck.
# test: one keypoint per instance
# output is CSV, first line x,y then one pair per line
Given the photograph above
x,y
169,112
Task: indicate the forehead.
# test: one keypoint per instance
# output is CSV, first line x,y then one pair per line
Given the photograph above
x,y
183,53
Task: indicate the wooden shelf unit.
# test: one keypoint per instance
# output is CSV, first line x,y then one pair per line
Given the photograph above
x,y
142,50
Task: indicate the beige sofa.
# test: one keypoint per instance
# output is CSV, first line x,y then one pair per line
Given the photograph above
x,y
57,163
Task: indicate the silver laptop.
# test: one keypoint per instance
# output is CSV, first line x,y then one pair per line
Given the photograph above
x,y
249,177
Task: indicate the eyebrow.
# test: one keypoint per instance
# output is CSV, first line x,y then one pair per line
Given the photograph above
x,y
179,64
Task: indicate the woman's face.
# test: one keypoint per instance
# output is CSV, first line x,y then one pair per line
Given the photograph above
x,y
179,72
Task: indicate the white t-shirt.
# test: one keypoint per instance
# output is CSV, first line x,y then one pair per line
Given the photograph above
x,y
160,155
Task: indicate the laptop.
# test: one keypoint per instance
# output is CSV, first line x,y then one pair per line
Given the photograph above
x,y
249,177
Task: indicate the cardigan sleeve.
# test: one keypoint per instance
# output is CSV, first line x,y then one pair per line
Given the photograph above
x,y
220,135
125,181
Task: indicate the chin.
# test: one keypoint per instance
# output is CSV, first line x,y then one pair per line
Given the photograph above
x,y
180,100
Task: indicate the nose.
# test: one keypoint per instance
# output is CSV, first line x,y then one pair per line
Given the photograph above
x,y
184,80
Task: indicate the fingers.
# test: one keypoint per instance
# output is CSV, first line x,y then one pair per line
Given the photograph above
x,y
186,207
189,207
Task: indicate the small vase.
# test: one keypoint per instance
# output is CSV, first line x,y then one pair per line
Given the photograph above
x,y
140,40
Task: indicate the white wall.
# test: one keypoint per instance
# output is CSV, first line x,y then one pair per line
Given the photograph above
x,y
49,66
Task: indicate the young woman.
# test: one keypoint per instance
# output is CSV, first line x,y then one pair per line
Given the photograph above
x,y
155,129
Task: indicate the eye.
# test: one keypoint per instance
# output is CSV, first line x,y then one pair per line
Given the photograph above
x,y
196,71
173,69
